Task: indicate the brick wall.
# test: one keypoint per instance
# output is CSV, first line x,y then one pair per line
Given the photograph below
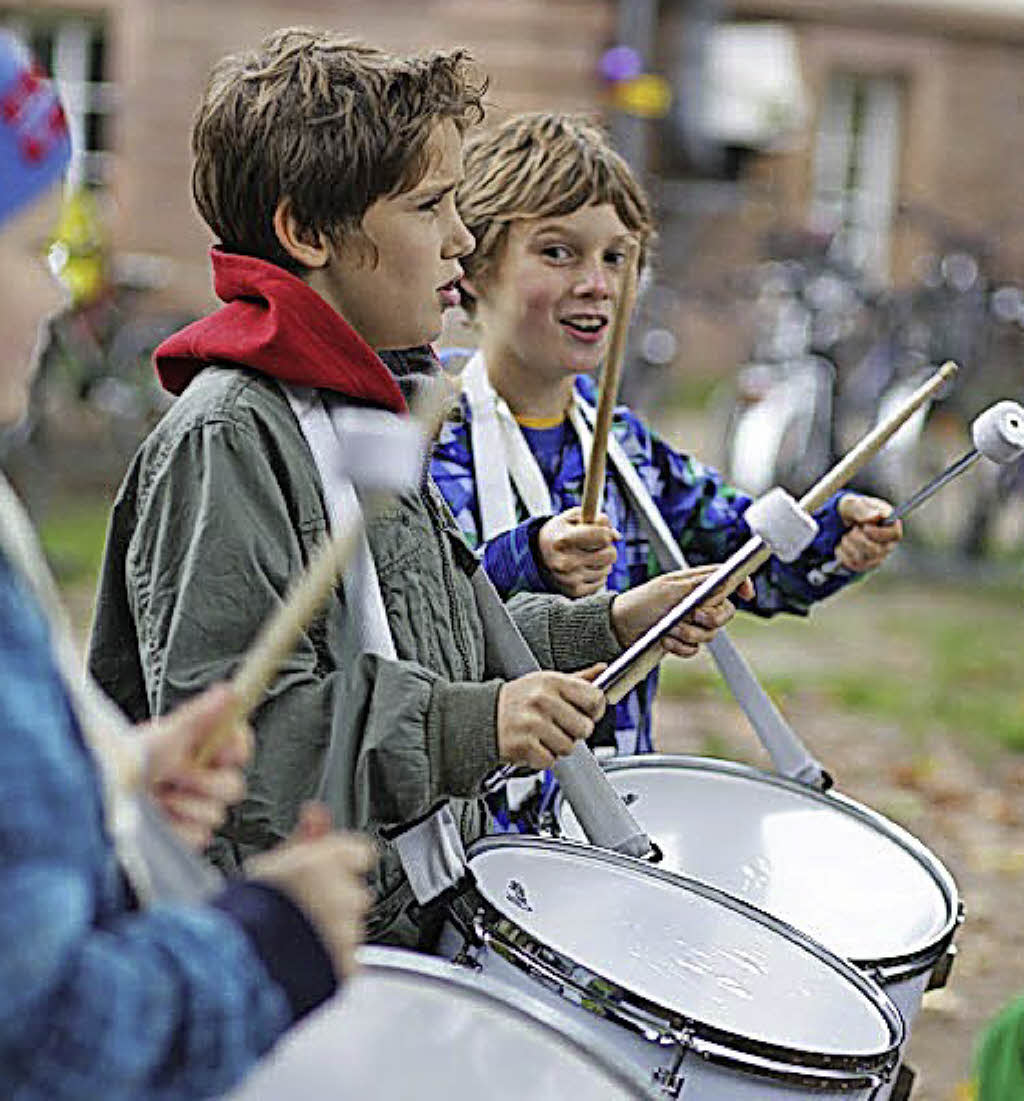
x,y
538,53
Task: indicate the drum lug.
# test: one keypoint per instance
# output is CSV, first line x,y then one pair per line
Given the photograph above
x,y
670,1084
668,1079
904,1086
467,957
940,975
472,934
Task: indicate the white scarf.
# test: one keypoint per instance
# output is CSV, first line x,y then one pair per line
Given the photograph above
x,y
501,456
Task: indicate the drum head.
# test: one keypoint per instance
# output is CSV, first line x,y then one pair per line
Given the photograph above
x,y
410,1026
821,863
685,948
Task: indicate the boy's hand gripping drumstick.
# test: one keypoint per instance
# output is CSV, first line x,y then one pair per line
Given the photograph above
x,y
593,483
282,629
997,434
635,663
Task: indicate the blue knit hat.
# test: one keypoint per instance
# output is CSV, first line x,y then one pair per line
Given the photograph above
x,y
35,146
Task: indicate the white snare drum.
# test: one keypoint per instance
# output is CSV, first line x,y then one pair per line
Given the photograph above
x,y
412,1028
859,884
716,1001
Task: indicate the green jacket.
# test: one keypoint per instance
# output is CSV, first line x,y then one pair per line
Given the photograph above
x,y
221,508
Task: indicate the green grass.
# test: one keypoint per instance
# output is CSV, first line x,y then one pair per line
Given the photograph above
x,y
923,656
72,533
936,657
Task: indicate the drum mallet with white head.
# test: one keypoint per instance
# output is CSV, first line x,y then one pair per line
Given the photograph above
x,y
779,522
998,434
781,527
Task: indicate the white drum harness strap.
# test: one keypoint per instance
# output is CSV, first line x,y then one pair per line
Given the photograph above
x,y
431,848
496,435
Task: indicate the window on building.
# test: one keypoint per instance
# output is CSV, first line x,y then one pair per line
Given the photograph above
x,y
856,166
73,48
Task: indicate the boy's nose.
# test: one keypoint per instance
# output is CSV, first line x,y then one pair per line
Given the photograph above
x,y
460,241
594,282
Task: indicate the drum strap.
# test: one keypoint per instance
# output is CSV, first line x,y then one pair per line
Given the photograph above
x,y
789,755
495,434
362,589
430,848
605,818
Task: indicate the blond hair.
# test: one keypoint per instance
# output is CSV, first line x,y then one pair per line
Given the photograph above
x,y
330,123
542,165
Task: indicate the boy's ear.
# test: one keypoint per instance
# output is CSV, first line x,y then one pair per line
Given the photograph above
x,y
308,249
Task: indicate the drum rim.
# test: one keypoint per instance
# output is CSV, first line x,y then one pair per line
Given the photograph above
x,y
889,969
382,959
714,1043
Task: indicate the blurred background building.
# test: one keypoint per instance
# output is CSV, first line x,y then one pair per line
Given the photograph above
x,y
809,160
778,112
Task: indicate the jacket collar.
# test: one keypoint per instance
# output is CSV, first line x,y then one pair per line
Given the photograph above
x,y
276,324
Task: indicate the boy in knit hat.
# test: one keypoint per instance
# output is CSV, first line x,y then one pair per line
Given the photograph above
x,y
327,171
111,988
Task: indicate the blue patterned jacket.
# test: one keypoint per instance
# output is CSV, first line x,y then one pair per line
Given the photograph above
x,y
704,514
100,999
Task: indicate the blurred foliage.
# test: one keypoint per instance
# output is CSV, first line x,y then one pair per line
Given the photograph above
x,y
72,533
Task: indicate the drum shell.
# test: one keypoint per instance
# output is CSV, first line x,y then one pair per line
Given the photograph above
x,y
702,1080
370,1042
904,977
709,1070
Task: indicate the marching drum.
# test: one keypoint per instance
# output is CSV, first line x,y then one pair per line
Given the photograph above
x,y
413,1028
713,999
826,865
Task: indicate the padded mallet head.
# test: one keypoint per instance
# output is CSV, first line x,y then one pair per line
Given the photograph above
x,y
780,521
379,452
998,433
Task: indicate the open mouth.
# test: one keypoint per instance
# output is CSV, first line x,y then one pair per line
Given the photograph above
x,y
449,293
586,327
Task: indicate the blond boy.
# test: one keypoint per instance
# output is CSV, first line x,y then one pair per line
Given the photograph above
x,y
556,212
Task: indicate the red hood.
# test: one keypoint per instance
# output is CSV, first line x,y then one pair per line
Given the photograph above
x,y
275,323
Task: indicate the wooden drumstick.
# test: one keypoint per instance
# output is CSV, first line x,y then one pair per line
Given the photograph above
x,y
593,483
633,666
307,595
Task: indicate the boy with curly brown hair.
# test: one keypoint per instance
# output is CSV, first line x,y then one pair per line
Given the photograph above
x,y
327,171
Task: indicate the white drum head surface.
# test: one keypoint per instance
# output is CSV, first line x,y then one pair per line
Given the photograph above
x,y
802,858
672,945
412,1028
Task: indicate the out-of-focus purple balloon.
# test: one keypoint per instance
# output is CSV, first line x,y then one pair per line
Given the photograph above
x,y
620,63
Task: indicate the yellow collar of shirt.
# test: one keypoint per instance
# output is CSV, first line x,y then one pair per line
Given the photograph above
x,y
540,422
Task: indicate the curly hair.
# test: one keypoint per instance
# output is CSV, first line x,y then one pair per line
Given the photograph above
x,y
329,123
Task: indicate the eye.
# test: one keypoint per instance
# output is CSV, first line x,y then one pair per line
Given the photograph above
x,y
558,253
432,203
615,257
